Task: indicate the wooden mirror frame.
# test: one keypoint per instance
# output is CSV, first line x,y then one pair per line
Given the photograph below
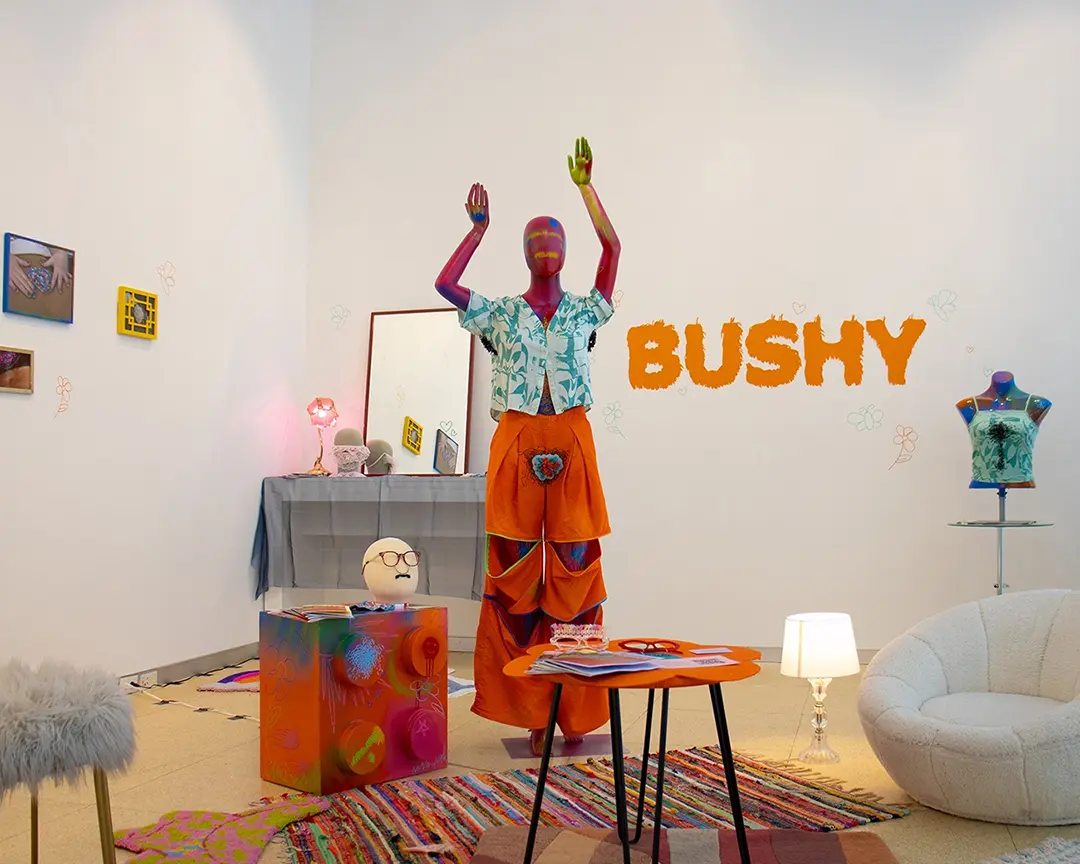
x,y
468,395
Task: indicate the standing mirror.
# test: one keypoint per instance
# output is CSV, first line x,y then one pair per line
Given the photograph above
x,y
419,389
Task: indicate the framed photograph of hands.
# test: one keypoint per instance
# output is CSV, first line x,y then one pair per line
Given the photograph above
x,y
39,279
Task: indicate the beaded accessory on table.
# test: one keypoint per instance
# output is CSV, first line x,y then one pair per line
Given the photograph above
x,y
579,637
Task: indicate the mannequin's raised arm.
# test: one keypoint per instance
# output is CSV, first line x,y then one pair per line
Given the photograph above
x,y
448,283
580,165
609,242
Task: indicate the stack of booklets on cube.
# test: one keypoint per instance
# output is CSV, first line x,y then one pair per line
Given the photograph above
x,y
322,612
317,612
592,664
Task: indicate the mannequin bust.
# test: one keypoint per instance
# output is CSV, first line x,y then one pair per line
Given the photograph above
x,y
380,458
391,570
1003,422
350,452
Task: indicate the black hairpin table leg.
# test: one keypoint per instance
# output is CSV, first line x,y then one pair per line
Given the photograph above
x,y
644,767
541,778
618,769
661,762
729,771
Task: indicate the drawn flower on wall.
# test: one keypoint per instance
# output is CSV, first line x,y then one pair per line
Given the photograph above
x,y
339,315
616,298
905,439
167,274
63,390
867,418
943,303
612,415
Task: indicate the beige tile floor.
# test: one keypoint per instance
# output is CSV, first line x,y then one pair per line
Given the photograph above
x,y
189,760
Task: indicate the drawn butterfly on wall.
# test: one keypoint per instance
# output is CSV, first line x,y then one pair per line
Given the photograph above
x,y
866,418
944,303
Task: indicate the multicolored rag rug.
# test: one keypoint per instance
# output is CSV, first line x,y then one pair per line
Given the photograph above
x,y
377,824
242,681
682,846
205,837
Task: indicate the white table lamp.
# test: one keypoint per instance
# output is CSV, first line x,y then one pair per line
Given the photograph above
x,y
819,646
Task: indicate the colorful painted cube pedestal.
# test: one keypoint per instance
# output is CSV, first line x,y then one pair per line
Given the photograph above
x,y
350,702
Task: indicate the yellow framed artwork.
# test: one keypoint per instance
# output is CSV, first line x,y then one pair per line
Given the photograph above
x,y
136,313
16,370
413,436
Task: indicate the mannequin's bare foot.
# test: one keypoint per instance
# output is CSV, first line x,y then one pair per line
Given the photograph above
x,y
572,740
536,742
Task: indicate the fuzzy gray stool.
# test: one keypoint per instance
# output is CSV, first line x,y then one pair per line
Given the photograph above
x,y
57,721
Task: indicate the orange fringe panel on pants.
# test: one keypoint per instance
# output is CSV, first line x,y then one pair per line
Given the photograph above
x,y
543,495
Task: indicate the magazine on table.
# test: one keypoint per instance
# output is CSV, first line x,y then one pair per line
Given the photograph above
x,y
592,664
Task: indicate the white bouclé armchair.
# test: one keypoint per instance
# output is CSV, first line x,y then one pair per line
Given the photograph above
x,y
976,711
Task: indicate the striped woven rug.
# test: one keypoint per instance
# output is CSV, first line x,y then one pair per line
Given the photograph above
x,y
682,846
381,824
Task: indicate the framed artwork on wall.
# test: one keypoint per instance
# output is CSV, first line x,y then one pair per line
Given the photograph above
x,y
412,438
16,370
39,279
446,452
136,313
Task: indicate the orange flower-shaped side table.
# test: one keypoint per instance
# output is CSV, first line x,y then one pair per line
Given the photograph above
x,y
664,680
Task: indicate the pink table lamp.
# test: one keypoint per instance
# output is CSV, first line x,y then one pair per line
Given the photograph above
x,y
323,416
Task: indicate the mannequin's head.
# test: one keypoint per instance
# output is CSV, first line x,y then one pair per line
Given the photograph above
x,y
545,245
391,570
380,458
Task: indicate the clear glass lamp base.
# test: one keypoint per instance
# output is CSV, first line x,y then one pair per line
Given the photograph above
x,y
819,752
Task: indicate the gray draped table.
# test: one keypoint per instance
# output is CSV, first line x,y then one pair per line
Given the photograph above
x,y
313,531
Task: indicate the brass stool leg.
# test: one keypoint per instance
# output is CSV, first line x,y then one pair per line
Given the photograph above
x,y
33,828
104,815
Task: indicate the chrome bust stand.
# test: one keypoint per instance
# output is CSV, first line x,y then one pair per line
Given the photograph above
x,y
1000,524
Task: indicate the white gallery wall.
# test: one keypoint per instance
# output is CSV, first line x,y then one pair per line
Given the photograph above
x,y
139,134
850,160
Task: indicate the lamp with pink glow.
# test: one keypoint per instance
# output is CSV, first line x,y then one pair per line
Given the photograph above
x,y
323,415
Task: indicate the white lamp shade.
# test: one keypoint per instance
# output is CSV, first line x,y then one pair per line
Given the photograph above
x,y
819,645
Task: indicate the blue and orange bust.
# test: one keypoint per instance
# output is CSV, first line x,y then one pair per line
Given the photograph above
x,y
1003,422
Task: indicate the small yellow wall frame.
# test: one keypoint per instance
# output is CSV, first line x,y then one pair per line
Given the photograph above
x,y
136,313
413,436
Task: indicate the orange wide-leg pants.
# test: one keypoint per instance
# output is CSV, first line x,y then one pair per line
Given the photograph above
x,y
543,498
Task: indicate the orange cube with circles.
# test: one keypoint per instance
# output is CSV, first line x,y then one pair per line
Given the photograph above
x,y
350,702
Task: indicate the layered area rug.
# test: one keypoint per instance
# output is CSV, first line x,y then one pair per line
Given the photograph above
x,y
239,681
1052,851
456,686
682,846
208,837
379,824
